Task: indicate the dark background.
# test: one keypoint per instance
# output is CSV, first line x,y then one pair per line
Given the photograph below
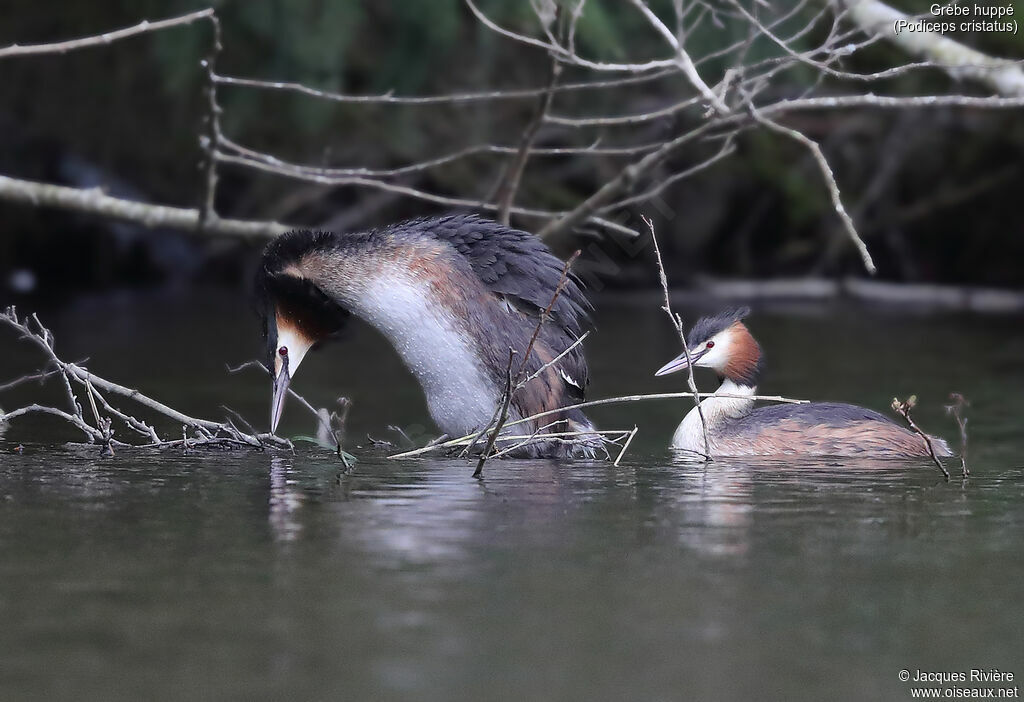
x,y
935,192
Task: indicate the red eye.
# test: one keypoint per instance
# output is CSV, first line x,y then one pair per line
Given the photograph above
x,y
283,351
710,345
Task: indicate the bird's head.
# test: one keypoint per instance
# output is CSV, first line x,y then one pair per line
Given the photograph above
x,y
724,344
297,315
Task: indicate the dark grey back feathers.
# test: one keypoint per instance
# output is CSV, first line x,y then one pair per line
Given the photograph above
x,y
509,262
815,413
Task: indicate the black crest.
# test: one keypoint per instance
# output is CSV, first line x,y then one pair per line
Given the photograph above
x,y
707,327
317,314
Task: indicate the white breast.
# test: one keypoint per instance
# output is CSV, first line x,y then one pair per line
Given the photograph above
x,y
718,411
434,346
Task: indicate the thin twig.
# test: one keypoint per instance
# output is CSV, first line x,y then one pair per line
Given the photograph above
x,y
506,400
677,322
568,349
595,403
325,423
106,38
683,60
27,379
446,99
102,433
93,434
211,143
830,182
902,408
506,192
512,385
626,445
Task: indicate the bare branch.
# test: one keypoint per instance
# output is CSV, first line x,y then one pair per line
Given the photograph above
x,y
830,182
213,135
623,120
93,434
106,38
677,322
506,192
594,403
27,379
728,148
902,408
565,55
625,446
447,99
622,181
223,433
683,59
299,173
94,201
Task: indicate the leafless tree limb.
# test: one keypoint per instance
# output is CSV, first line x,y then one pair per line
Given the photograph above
x,y
106,38
506,192
746,96
445,99
298,173
213,135
94,201
830,183
625,446
683,60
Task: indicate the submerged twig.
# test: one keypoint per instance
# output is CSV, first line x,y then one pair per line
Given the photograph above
x,y
902,408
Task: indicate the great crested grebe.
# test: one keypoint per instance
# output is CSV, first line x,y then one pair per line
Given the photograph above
x,y
452,295
735,428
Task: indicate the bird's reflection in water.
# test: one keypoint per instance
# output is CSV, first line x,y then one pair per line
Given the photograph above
x,y
434,511
286,497
716,505
422,512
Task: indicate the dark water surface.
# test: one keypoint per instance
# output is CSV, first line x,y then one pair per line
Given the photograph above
x,y
250,576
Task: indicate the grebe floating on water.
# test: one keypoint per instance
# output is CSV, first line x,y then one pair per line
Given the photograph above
x,y
452,295
736,428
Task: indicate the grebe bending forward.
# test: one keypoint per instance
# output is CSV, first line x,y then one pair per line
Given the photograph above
x,y
736,428
452,295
